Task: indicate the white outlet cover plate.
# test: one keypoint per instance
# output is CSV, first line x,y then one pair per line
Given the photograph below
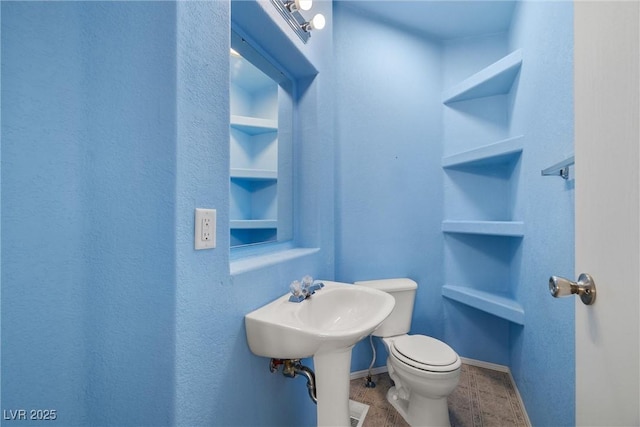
x,y
203,238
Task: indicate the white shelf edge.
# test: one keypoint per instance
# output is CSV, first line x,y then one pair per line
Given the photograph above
x,y
492,303
504,148
489,228
255,174
252,224
495,79
257,125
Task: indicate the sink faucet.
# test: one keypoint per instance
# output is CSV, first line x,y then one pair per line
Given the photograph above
x,y
301,291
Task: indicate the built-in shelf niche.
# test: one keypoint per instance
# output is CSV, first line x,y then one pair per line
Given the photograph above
x,y
479,188
503,151
254,174
253,224
253,209
482,269
253,125
497,304
488,228
496,79
482,238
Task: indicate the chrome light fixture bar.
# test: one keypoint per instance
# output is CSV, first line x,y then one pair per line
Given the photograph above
x,y
290,11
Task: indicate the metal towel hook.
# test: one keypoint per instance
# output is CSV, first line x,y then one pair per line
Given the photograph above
x,y
585,287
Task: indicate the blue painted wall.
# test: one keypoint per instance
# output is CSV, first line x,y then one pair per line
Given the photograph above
x,y
389,192
88,270
542,354
114,128
392,132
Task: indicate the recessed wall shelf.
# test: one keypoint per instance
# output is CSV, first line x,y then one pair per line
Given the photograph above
x,y
254,174
499,152
253,148
496,79
489,228
253,224
253,125
499,305
480,184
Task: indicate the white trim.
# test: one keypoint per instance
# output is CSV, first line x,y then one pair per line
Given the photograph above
x,y
361,374
487,365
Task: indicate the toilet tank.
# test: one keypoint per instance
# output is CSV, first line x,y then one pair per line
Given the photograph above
x,y
404,292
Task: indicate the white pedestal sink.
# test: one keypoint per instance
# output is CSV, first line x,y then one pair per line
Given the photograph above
x,y
325,326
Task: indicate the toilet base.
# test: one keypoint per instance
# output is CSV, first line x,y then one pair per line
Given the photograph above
x,y
420,411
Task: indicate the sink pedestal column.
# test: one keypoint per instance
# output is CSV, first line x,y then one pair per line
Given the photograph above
x,y
332,387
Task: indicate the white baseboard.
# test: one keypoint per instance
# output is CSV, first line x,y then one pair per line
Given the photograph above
x,y
473,362
487,365
361,374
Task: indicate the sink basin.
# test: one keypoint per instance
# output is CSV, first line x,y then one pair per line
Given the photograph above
x,y
326,326
335,317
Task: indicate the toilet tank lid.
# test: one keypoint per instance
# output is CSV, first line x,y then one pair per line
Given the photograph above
x,y
390,285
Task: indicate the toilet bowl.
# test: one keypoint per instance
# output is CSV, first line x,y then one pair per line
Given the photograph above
x,y
424,370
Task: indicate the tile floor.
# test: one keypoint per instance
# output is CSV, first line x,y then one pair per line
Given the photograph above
x,y
484,398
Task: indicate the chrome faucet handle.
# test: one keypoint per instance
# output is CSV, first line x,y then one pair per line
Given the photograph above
x,y
302,291
315,287
295,288
307,281
297,293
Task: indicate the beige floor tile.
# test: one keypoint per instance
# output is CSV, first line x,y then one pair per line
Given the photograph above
x,y
483,398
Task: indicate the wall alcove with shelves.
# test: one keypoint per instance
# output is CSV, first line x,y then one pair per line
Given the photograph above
x,y
253,155
260,147
482,236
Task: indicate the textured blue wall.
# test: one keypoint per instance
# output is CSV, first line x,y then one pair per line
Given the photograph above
x,y
388,221
542,353
114,128
88,142
480,262
389,192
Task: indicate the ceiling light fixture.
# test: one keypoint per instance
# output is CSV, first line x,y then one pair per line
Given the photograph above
x,y
290,11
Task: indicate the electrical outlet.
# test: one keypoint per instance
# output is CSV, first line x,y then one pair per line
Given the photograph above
x,y
205,229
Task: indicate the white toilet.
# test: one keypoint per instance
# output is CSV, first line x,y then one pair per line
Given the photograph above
x,y
425,370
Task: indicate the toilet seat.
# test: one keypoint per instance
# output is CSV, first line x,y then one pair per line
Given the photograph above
x,y
425,353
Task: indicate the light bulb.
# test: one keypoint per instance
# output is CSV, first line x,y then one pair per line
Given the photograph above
x,y
317,23
304,4
298,5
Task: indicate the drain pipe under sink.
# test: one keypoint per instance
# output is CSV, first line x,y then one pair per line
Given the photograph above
x,y
293,367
